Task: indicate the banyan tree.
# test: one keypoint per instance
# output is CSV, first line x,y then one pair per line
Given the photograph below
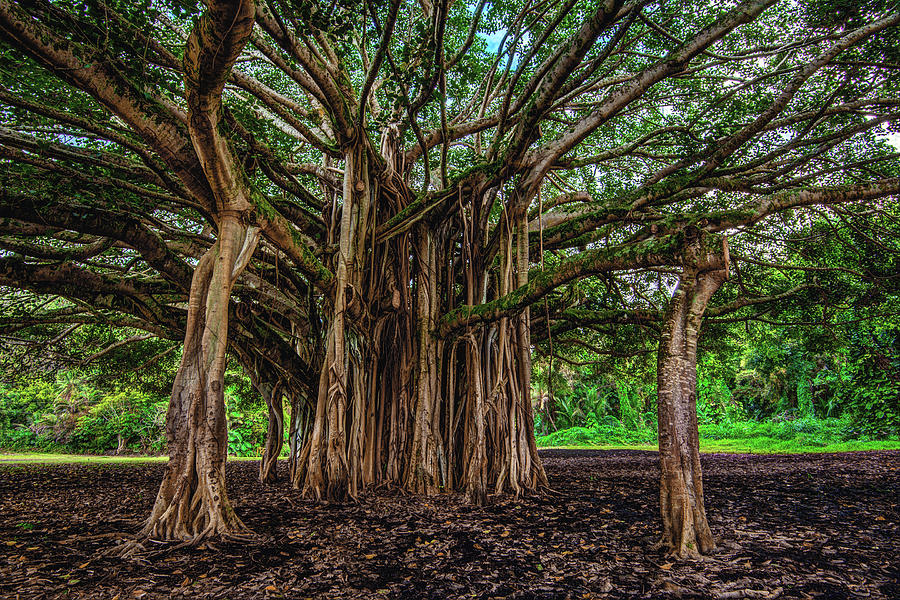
x,y
377,208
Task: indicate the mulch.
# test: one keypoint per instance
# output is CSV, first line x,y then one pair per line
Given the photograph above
x,y
795,526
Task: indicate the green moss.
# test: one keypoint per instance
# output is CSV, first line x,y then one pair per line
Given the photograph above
x,y
307,259
542,282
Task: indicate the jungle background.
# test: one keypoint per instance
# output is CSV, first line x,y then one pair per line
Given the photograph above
x,y
778,386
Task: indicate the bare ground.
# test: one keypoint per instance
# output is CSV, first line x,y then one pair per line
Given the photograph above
x,y
795,526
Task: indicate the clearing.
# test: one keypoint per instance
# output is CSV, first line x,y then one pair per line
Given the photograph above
x,y
791,526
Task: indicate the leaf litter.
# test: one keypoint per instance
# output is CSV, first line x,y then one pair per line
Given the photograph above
x,y
790,526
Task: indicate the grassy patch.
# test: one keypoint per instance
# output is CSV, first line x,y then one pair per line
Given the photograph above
x,y
765,445
744,446
767,437
54,458
19,458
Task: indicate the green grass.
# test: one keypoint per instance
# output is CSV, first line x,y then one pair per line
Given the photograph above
x,y
55,458
792,436
745,446
18,458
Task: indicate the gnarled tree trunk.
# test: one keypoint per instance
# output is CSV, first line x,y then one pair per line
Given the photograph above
x,y
426,470
325,469
192,503
499,446
686,532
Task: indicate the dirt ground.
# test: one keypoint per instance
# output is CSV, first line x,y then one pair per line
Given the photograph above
x,y
812,526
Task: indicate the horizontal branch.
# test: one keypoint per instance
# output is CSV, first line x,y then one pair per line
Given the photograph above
x,y
105,223
590,262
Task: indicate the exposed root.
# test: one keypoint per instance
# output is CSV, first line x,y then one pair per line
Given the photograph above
x,y
128,549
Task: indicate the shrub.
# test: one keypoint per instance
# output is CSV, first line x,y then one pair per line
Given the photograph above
x,y
122,420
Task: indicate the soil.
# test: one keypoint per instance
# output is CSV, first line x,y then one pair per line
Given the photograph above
x,y
795,526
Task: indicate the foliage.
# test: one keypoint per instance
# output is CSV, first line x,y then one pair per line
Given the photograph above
x,y
246,428
247,415
75,414
874,374
123,419
609,432
770,436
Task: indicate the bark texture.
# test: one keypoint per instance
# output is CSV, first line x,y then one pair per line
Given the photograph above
x,y
192,503
686,532
268,464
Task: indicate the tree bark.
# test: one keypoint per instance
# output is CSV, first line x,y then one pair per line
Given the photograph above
x,y
268,464
686,532
192,503
424,474
326,470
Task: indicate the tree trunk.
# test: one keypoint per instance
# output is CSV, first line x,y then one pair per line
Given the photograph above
x,y
397,404
192,503
325,470
499,445
268,464
297,431
424,470
686,532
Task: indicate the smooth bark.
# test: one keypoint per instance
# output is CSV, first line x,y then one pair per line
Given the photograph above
x,y
686,532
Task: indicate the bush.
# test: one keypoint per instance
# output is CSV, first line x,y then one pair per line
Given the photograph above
x,y
122,420
610,432
246,427
806,431
20,405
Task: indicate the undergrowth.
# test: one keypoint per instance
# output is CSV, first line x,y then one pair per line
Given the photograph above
x,y
780,435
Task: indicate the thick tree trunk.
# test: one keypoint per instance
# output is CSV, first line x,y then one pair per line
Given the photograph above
x,y
499,448
325,469
424,473
686,532
475,475
192,503
397,404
